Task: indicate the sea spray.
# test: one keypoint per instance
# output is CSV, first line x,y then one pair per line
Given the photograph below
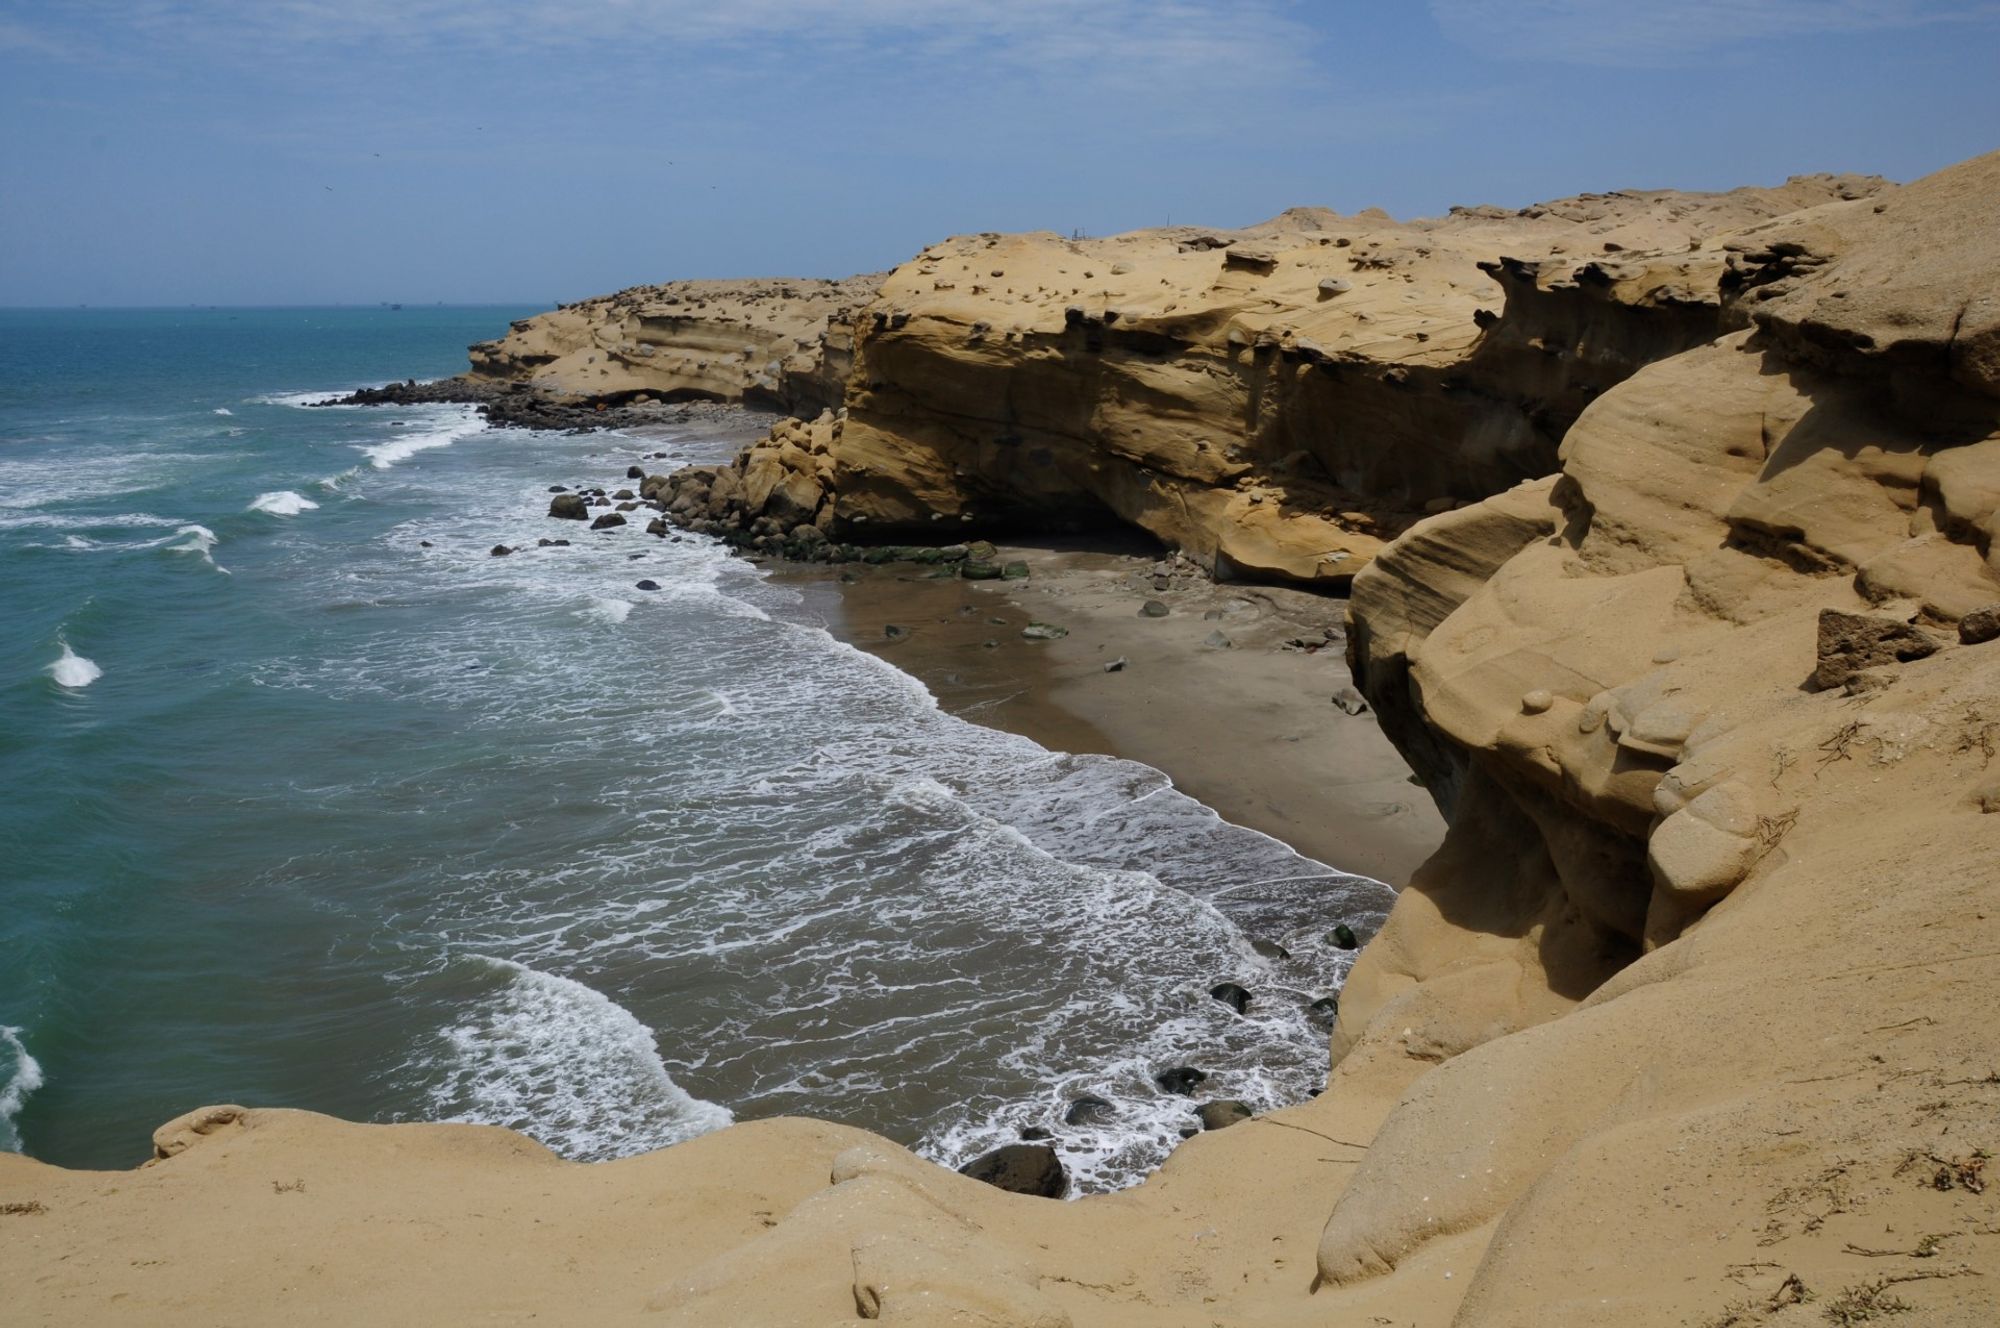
x,y
20,1075
284,502
73,670
562,1062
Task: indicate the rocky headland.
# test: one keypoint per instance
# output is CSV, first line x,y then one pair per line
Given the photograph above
x,y
1666,528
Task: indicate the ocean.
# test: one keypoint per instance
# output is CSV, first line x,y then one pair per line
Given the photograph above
x,y
310,802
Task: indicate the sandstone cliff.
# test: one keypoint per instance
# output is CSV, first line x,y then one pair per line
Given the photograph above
x,y
1275,401
785,344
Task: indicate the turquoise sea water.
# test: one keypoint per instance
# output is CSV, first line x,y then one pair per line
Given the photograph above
x,y
310,802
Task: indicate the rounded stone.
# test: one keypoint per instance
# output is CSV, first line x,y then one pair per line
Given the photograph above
x,y
1537,701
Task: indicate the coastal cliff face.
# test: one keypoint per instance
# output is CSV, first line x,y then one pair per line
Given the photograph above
x,y
784,344
1276,402
1690,1019
1712,713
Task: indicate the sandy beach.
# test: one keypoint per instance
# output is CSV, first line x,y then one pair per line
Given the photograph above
x,y
1250,727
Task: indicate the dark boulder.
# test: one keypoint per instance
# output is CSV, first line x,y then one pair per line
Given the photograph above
x,y
1021,1169
648,584
1230,994
1088,1109
1851,642
1152,608
1343,936
607,520
656,527
1220,1115
499,551
635,473
1270,949
974,570
893,632
569,506
1181,1079
1980,626
1326,1007
1036,1134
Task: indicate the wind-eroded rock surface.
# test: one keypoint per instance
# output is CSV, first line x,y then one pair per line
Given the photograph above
x,y
1277,401
780,343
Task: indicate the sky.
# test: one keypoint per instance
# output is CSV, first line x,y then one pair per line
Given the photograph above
x,y
531,151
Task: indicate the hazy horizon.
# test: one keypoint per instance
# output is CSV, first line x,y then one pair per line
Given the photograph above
x,y
217,153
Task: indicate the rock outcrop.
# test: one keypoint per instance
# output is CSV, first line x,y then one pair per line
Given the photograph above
x,y
783,344
1715,771
1276,401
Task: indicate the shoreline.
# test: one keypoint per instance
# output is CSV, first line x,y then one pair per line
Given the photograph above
x,y
1249,728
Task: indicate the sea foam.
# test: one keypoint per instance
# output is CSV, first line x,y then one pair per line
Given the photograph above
x,y
282,503
16,1083
562,1062
73,670
406,445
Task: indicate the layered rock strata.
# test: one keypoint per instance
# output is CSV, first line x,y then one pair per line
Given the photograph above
x,y
1277,401
782,344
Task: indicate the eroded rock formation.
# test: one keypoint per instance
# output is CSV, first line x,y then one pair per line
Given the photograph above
x,y
785,344
1276,401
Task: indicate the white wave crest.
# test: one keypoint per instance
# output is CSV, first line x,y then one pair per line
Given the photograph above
x,y
198,540
73,670
568,1065
403,446
282,503
15,1084
224,410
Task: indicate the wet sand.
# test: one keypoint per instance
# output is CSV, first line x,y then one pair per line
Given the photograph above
x,y
1248,728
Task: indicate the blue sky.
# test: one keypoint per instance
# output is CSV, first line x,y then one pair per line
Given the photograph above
x,y
214,151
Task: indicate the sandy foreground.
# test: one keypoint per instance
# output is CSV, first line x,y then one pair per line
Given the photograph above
x,y
1248,727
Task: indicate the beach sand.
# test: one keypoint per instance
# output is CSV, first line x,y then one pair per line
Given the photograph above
x,y
1249,728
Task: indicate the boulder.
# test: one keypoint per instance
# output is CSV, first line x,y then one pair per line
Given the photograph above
x,y
499,551
1343,936
1222,1114
1851,642
975,570
1980,626
1021,1169
1040,631
1088,1109
635,473
1014,571
646,585
1350,701
1230,994
1181,1079
569,506
607,520
1152,608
